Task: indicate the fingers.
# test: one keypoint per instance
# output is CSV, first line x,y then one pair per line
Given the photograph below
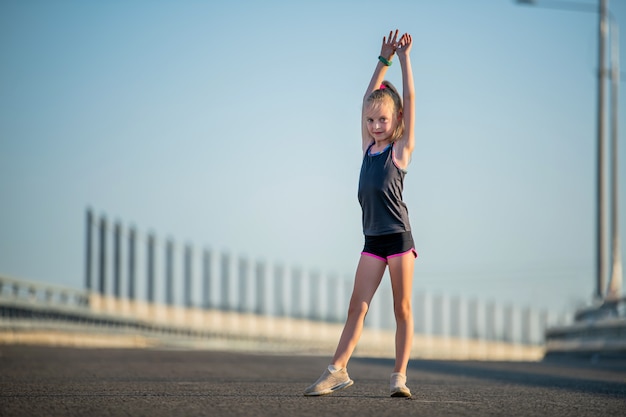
x,y
395,42
392,39
405,40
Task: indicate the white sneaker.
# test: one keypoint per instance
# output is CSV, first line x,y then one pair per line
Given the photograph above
x,y
397,385
329,382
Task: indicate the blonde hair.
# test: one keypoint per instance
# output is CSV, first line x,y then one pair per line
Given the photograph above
x,y
378,97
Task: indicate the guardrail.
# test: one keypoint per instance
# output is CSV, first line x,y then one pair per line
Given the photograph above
x,y
221,296
597,331
24,295
139,282
124,263
38,313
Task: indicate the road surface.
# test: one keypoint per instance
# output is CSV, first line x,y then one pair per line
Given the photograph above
x,y
49,381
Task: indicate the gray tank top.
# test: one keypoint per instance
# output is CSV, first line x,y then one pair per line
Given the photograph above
x,y
380,194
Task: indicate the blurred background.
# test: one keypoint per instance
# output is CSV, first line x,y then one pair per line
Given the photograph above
x,y
236,126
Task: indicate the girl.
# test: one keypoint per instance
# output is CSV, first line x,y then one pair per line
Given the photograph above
x,y
388,141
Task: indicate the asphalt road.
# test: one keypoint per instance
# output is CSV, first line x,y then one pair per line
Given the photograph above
x,y
46,381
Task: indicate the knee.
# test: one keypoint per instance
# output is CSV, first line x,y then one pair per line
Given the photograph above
x,y
403,310
357,309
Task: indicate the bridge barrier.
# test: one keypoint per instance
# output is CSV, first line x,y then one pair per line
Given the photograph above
x,y
143,285
88,319
597,331
123,263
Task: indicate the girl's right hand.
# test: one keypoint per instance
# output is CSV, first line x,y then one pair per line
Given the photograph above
x,y
389,45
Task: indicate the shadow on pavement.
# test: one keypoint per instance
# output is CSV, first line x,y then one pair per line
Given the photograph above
x,y
607,378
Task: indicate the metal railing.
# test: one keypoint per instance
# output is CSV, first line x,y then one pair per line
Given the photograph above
x,y
125,264
140,291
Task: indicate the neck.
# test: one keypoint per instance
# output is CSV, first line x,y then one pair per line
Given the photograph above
x,y
381,144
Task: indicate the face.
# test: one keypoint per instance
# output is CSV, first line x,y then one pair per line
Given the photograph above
x,y
380,120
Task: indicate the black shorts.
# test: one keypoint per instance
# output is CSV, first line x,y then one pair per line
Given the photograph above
x,y
385,247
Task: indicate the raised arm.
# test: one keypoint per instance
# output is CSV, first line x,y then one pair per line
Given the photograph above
x,y
387,51
406,144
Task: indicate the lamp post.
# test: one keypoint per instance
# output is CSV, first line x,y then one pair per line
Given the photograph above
x,y
601,230
600,177
615,285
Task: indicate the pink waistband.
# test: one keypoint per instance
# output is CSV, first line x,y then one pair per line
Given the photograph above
x,y
390,256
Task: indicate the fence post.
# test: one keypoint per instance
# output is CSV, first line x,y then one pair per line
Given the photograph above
x,y
261,308
544,323
499,323
188,275
333,295
529,326
246,305
209,279
117,261
465,312
348,286
512,324
477,320
297,295
150,268
169,272
102,263
88,249
490,321
225,282
132,284
268,290
455,317
424,311
441,316
386,314
280,308
315,296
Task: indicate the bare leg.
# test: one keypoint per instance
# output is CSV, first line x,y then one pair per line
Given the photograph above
x,y
401,272
369,273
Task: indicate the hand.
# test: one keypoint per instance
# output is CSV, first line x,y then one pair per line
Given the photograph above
x,y
404,46
389,45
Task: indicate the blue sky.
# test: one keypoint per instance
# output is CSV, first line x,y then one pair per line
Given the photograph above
x,y
236,126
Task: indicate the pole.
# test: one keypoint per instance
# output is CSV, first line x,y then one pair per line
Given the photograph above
x,y
615,286
188,275
600,226
117,260
102,270
88,249
169,272
151,284
225,283
132,285
207,279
